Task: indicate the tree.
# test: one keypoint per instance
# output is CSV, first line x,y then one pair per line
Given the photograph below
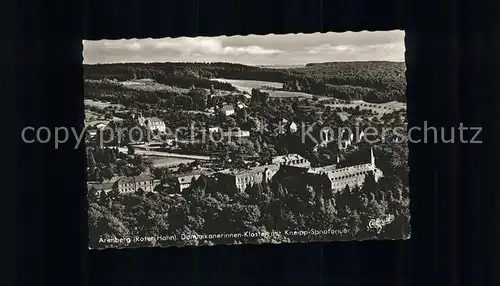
x,y
131,150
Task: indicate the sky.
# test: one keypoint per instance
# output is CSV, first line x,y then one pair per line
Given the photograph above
x,y
288,49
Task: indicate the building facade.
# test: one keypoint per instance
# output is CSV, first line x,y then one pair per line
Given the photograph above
x,y
152,123
125,185
236,133
291,160
350,176
242,179
227,109
184,181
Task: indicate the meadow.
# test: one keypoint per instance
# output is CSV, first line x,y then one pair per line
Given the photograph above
x,y
163,162
380,108
248,85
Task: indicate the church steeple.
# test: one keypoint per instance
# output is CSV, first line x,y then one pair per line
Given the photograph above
x,y
372,158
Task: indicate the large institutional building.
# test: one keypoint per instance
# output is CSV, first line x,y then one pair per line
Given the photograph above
x,y
241,179
348,176
124,185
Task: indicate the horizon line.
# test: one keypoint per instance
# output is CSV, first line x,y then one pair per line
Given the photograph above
x,y
236,63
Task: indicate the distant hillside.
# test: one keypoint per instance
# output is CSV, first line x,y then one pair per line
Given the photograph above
x,y
369,81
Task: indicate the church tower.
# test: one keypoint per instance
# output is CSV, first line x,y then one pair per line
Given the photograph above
x,y
372,158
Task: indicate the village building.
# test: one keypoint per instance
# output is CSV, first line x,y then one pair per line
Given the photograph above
x,y
105,186
124,185
285,126
241,105
152,123
350,176
236,133
291,160
227,109
242,179
100,126
92,132
133,184
214,129
181,182
169,139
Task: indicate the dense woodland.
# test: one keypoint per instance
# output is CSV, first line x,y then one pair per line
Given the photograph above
x,y
369,81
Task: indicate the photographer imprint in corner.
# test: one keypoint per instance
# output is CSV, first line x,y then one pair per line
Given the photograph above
x,y
379,223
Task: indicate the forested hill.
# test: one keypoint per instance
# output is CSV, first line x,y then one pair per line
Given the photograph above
x,y
370,81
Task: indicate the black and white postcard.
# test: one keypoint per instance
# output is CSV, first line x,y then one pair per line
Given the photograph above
x,y
246,139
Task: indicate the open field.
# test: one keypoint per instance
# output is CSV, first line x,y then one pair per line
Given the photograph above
x,y
380,108
150,85
92,118
100,104
247,85
198,112
162,162
288,94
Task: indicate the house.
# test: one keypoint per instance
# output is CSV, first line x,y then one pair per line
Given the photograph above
x,y
285,125
241,105
153,124
237,133
105,186
291,160
214,129
243,178
100,126
92,132
133,184
227,109
97,189
182,182
169,139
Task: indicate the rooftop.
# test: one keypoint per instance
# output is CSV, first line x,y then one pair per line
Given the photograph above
x,y
154,120
186,178
286,158
253,170
103,186
227,107
140,178
341,172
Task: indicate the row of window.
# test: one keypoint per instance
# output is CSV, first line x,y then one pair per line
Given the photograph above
x,y
256,178
295,162
128,185
351,175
